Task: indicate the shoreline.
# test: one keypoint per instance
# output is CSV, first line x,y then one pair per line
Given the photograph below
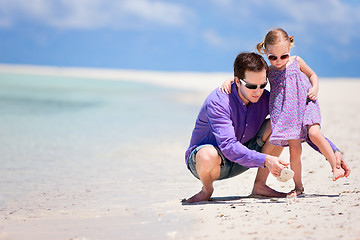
x,y
183,80
197,81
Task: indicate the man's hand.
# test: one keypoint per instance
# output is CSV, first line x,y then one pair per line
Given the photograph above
x,y
341,163
275,165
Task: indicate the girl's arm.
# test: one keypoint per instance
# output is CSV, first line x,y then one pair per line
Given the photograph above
x,y
226,86
313,92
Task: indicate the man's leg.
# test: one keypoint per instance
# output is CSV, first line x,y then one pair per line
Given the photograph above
x,y
208,169
260,187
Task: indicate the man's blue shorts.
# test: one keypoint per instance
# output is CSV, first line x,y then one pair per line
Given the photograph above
x,y
228,168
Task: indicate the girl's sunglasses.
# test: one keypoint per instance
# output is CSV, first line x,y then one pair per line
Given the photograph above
x,y
282,57
254,86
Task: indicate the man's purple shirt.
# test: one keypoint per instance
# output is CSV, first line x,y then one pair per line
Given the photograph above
x,y
226,122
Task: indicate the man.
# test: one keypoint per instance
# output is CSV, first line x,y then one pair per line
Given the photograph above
x,y
231,133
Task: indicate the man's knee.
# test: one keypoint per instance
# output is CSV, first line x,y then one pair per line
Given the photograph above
x,y
207,157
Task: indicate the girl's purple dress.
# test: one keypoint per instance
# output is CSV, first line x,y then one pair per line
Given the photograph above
x,y
290,109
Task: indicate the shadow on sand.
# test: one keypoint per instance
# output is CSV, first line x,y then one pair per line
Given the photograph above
x,y
235,199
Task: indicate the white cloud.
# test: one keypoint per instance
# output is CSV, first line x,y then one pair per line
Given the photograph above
x,y
210,36
329,18
222,3
161,12
92,14
329,22
80,14
5,23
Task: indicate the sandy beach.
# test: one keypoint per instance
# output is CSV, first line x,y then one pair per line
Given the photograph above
x,y
93,203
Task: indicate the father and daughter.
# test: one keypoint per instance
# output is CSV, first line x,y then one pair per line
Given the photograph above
x,y
294,118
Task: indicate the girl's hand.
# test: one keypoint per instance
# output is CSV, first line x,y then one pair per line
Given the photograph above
x,y
226,86
312,94
341,163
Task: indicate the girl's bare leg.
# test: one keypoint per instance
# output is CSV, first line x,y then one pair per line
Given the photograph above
x,y
295,164
318,139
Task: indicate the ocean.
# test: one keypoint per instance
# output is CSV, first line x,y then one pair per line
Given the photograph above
x,y
88,147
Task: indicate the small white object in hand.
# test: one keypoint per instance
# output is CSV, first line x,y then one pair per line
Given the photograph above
x,y
285,175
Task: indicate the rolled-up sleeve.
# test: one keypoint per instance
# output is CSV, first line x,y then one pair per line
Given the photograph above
x,y
332,145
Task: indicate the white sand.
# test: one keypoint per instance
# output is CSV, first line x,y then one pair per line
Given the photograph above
x,y
329,210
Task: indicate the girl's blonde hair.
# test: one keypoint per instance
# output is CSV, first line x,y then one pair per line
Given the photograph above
x,y
274,37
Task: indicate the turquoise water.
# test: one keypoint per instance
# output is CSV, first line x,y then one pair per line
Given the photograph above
x,y
73,148
105,142
69,107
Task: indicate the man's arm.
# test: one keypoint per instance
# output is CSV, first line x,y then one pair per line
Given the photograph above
x,y
222,127
333,147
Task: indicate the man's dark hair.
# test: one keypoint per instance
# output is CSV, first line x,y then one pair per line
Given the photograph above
x,y
248,61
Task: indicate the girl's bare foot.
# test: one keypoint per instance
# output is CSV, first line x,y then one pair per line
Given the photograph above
x,y
338,173
296,192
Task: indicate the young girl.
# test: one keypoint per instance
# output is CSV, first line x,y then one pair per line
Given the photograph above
x,y
294,109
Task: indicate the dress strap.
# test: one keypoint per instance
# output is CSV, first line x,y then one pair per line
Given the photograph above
x,y
294,62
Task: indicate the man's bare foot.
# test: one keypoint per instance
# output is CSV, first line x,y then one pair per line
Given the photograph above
x,y
200,197
266,191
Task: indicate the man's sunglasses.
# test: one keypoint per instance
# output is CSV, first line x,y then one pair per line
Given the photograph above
x,y
282,57
254,86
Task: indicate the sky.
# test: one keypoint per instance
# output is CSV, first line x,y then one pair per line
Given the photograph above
x,y
178,35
